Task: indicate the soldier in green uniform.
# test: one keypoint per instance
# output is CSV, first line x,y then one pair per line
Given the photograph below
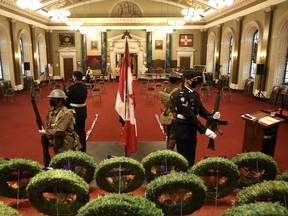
x,y
60,124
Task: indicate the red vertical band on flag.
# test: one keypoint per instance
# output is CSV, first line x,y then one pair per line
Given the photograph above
x,y
125,105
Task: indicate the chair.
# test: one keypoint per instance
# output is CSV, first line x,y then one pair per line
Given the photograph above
x,y
37,93
151,92
226,93
96,92
9,95
143,85
102,86
166,83
58,86
159,87
205,92
274,95
52,84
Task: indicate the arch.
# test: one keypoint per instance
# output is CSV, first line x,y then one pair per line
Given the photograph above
x,y
27,47
42,56
6,55
225,47
210,60
278,52
246,47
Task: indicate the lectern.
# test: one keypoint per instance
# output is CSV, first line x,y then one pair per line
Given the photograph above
x,y
260,132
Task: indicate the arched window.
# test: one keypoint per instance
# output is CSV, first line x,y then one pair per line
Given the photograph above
x,y
1,68
22,56
285,79
254,55
230,55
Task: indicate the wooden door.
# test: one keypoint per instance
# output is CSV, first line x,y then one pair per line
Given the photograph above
x,y
68,68
185,63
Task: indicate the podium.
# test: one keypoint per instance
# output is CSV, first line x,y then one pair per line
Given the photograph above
x,y
260,133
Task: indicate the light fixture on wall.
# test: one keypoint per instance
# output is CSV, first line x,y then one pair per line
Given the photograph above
x,y
59,15
192,13
30,4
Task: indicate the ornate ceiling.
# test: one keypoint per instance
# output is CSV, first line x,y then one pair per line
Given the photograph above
x,y
131,14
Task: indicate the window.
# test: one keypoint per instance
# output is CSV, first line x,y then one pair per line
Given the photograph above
x,y
1,69
22,56
254,55
230,55
285,79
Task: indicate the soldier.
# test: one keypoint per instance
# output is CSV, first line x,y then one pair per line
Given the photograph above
x,y
60,124
170,107
186,124
77,95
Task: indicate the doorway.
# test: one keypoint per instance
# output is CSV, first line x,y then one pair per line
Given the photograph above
x,y
185,63
68,68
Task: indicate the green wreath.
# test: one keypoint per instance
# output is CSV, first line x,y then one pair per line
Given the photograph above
x,y
255,167
76,161
177,193
267,191
257,209
163,162
283,176
7,210
219,175
58,192
123,204
15,174
120,174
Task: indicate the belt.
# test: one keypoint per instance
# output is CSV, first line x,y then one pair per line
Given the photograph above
x,y
180,116
77,105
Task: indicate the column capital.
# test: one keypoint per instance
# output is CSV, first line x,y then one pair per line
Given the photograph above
x,y
239,19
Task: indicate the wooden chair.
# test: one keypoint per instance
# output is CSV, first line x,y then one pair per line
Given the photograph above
x,y
151,92
37,93
226,93
205,93
102,86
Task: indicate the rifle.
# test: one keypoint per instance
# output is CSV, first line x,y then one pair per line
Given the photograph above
x,y
44,139
213,124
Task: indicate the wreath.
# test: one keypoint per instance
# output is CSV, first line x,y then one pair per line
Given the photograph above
x,y
163,162
283,176
219,175
15,174
267,191
57,192
256,209
7,210
177,193
123,204
78,162
255,167
120,174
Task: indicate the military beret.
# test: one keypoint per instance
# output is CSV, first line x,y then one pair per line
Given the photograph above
x,y
190,74
78,75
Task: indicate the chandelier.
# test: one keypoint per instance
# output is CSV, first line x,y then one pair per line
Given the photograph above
x,y
30,4
220,3
193,14
176,22
74,25
59,15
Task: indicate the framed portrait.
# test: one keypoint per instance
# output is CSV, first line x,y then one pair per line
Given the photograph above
x,y
185,40
94,45
66,39
159,44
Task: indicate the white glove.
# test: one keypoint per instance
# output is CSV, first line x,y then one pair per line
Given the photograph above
x,y
216,115
210,134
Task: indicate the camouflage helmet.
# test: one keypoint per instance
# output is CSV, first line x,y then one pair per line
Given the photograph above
x,y
190,74
175,75
57,93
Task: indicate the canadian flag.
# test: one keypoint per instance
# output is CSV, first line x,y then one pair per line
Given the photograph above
x,y
125,105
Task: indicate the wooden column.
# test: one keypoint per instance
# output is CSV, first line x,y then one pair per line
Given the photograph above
x,y
48,37
34,53
16,50
168,51
236,52
149,49
265,44
204,38
218,51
